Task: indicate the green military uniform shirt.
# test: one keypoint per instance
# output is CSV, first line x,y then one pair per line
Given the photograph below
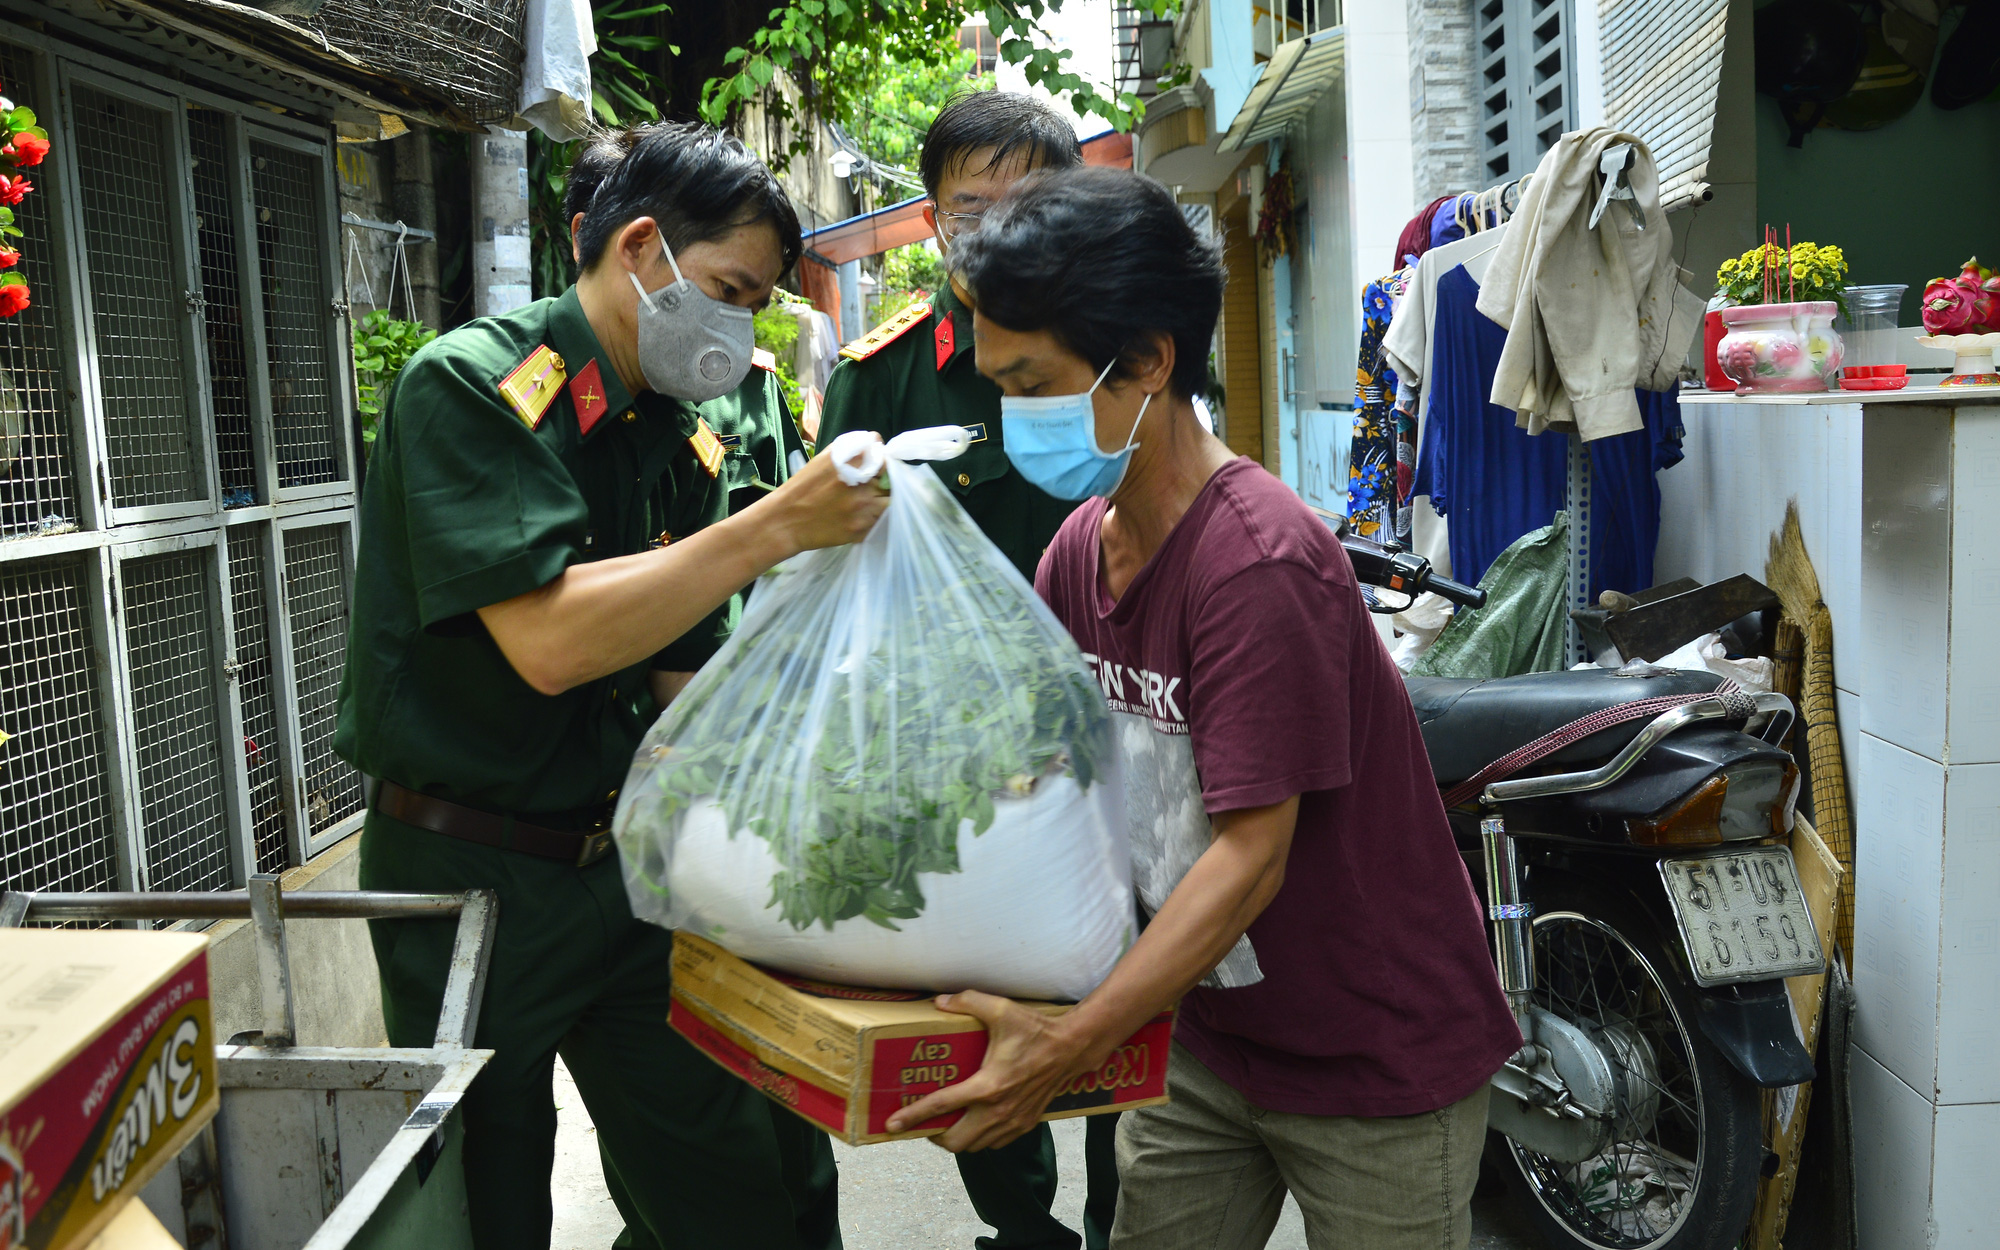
x,y
474,497
925,376
758,435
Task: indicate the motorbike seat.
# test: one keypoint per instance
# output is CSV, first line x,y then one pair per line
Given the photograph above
x,y
1468,723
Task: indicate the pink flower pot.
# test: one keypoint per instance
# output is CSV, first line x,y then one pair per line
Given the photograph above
x,y
1780,348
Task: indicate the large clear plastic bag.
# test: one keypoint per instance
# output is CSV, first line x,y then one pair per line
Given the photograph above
x,y
899,772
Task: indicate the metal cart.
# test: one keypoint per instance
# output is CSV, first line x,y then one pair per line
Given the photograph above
x,y
320,1148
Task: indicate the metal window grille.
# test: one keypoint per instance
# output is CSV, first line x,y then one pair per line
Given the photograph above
x,y
56,831
286,190
138,299
117,622
1526,98
37,485
256,693
316,596
222,306
170,648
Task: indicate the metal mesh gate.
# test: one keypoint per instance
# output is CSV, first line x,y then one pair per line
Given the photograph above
x,y
256,694
37,485
170,644
138,299
175,501
55,807
291,255
222,306
316,593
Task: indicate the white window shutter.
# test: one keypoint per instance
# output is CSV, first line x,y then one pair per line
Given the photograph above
x,y
1662,72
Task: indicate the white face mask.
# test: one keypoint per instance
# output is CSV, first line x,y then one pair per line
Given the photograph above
x,y
692,346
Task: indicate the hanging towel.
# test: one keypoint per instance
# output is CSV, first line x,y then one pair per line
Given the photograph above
x,y
1590,313
1521,628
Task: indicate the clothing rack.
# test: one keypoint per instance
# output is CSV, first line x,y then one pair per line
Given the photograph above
x,y
1477,212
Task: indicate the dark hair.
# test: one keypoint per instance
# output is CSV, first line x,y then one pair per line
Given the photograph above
x,y
1100,258
697,183
602,151
1005,121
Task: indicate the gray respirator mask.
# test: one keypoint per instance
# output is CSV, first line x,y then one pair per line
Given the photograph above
x,y
691,346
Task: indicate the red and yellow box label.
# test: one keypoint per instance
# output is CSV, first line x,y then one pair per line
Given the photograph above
x,y
97,1129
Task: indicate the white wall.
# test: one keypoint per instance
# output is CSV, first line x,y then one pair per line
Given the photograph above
x,y
1379,161
1899,505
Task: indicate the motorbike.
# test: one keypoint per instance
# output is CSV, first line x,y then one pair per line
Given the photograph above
x,y
1626,831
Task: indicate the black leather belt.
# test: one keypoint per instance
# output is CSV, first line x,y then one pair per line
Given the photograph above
x,y
581,847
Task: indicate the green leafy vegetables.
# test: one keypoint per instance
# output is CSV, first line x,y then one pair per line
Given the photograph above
x,y
858,735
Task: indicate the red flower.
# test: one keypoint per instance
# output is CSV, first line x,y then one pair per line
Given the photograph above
x,y
13,298
14,189
9,257
26,150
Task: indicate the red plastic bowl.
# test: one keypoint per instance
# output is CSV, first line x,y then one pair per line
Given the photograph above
x,y
1876,373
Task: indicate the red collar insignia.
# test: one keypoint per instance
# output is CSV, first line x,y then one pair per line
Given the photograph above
x,y
586,391
944,339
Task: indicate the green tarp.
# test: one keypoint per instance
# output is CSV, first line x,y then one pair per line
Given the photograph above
x,y
1521,628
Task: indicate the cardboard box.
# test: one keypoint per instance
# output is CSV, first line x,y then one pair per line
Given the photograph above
x,y
107,1069
1785,1109
135,1228
846,1059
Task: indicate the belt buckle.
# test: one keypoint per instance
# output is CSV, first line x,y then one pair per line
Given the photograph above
x,y
596,845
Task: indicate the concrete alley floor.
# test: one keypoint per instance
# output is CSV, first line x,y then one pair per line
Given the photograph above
x,y
905,1195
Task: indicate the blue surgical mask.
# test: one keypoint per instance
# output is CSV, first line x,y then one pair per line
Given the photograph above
x,y
1052,440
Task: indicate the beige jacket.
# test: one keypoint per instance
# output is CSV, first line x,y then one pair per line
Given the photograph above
x,y
1589,314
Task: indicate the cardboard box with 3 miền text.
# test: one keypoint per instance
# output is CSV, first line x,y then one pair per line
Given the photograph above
x,y
107,1069
846,1059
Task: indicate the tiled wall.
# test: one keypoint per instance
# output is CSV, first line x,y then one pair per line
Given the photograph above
x,y
1901,512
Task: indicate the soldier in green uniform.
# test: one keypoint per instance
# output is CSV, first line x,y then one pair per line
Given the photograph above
x,y
546,528
762,446
917,370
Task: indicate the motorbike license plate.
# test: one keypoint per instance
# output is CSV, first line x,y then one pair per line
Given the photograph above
x,y
1743,916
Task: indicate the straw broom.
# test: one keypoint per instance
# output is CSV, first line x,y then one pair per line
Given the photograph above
x,y
1789,572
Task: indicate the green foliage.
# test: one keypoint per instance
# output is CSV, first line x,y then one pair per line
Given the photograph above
x,y
777,333
623,93
909,273
914,267
382,346
896,100
834,49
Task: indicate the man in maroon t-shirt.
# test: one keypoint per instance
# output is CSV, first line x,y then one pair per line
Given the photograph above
x,y
1339,1013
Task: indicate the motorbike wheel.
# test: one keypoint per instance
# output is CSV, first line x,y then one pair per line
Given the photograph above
x,y
1681,1171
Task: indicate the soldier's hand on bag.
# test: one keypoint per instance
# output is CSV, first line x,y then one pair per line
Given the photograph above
x,y
816,509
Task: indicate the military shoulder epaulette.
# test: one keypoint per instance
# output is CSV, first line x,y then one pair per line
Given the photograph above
x,y
534,385
888,332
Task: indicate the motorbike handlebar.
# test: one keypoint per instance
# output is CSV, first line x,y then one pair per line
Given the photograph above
x,y
1404,572
1457,592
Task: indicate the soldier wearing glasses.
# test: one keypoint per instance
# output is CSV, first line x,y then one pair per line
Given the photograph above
x,y
917,370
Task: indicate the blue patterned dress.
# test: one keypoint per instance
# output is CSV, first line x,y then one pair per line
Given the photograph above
x,y
1372,477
